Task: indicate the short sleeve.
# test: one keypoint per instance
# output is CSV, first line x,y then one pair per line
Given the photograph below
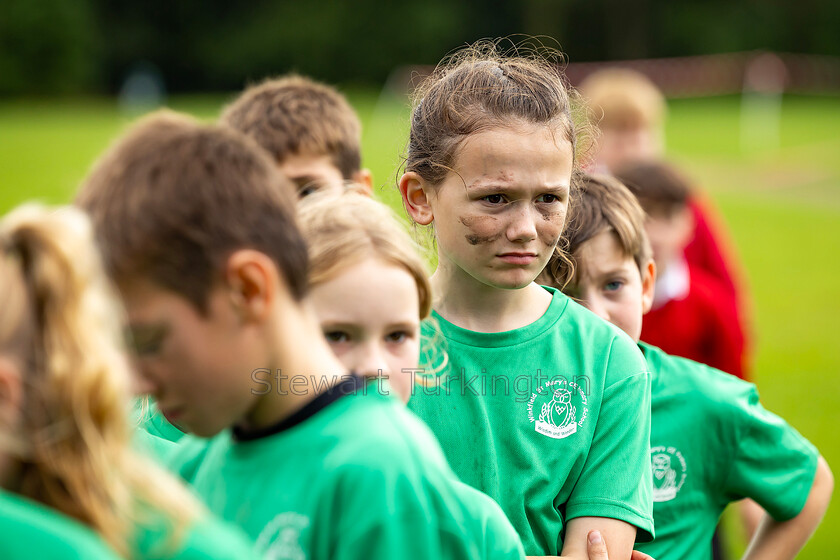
x,y
616,478
773,464
407,536
386,516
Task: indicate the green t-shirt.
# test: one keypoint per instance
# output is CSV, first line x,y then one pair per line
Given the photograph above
x,y
551,420
30,530
353,474
206,539
153,446
489,524
148,418
713,443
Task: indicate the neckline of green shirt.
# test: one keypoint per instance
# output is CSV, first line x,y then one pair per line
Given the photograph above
x,y
558,305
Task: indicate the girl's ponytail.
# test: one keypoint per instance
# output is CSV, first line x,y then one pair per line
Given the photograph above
x,y
74,441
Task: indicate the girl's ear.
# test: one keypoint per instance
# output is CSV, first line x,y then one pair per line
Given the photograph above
x,y
648,284
415,198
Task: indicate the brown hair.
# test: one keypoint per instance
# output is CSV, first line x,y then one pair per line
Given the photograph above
x,y
604,204
73,445
660,188
172,199
480,88
341,230
621,98
477,89
294,115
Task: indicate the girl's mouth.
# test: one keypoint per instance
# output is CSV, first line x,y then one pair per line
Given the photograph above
x,y
518,258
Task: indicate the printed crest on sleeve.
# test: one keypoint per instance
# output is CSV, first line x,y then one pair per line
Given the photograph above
x,y
669,471
280,540
558,408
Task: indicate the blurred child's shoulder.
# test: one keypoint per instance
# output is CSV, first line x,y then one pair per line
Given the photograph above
x,y
708,387
590,329
186,456
383,433
579,318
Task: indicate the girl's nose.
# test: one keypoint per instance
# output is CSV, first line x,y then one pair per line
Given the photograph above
x,y
523,226
370,360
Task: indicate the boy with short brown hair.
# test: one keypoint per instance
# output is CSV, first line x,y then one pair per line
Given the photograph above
x,y
711,440
198,228
309,129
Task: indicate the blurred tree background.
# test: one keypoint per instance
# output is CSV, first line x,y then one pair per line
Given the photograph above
x,y
89,46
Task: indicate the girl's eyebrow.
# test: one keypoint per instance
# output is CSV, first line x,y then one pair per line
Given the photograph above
x,y
406,325
483,184
489,185
346,325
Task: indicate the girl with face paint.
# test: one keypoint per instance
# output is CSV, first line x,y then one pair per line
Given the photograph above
x,y
491,165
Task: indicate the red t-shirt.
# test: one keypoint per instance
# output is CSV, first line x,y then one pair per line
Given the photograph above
x,y
710,250
703,326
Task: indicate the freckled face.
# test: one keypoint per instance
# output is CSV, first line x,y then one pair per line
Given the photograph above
x,y
499,216
609,284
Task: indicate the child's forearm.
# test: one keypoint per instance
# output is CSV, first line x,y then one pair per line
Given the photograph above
x,y
751,516
596,549
617,536
784,539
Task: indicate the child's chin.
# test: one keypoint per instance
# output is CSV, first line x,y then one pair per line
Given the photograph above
x,y
511,283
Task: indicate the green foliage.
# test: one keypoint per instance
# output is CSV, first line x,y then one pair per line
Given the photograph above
x,y
58,46
46,46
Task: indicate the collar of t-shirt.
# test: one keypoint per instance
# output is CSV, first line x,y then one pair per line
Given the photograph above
x,y
348,385
672,285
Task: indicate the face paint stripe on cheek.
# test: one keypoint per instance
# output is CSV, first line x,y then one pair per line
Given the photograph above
x,y
481,228
477,239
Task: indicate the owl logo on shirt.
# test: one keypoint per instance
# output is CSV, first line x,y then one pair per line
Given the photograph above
x,y
560,407
668,468
280,540
559,412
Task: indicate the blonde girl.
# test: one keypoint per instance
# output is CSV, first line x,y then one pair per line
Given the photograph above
x,y
370,291
64,437
545,407
369,286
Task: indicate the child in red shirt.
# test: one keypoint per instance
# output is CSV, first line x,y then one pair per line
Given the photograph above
x,y
694,314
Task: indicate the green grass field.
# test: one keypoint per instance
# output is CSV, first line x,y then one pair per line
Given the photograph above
x,y
781,201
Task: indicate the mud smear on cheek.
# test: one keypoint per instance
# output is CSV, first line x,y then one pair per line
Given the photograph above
x,y
557,217
483,229
552,236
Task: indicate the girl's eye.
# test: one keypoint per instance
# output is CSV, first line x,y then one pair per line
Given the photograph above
x,y
614,286
494,198
548,198
398,337
336,336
